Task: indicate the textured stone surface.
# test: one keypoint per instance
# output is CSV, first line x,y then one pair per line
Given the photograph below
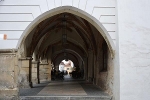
x,y
45,72
105,79
8,72
24,73
9,98
52,88
34,72
64,90
66,98
32,91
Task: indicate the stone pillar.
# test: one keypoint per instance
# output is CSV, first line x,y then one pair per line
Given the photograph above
x,y
90,65
99,66
45,72
25,80
94,69
85,68
38,72
49,70
35,75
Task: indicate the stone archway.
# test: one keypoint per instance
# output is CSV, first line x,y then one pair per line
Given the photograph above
x,y
26,62
74,11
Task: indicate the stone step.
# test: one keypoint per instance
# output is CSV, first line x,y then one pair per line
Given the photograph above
x,y
65,98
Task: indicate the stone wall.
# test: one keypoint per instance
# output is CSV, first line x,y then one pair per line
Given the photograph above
x,y
104,79
8,75
45,72
25,67
34,72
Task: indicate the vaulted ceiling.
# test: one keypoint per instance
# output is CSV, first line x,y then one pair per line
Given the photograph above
x,y
81,36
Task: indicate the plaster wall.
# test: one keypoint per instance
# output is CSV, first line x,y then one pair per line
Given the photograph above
x,y
16,15
134,49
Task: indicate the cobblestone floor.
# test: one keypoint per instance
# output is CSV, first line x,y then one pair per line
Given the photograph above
x,y
67,87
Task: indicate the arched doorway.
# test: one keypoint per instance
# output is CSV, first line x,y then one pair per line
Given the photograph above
x,y
66,32
74,11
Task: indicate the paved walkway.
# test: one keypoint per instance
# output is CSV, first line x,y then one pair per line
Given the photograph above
x,y
68,87
62,88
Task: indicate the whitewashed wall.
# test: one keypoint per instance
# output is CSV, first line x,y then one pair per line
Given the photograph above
x,y
134,47
16,15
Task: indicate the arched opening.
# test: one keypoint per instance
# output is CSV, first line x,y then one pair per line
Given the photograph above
x,y
71,34
66,65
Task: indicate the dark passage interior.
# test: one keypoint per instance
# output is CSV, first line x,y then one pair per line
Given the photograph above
x,y
66,55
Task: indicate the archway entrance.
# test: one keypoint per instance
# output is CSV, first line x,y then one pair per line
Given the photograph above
x,y
66,33
66,66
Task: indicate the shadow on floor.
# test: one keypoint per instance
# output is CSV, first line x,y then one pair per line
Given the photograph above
x,y
66,87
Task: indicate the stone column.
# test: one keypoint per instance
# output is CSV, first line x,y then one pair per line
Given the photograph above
x,y
25,79
44,72
90,65
35,75
94,69
49,70
99,66
38,72
85,68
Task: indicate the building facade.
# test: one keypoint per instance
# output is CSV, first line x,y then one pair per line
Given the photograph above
x,y
31,41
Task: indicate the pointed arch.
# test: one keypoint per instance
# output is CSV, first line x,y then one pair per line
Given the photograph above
x,y
72,10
